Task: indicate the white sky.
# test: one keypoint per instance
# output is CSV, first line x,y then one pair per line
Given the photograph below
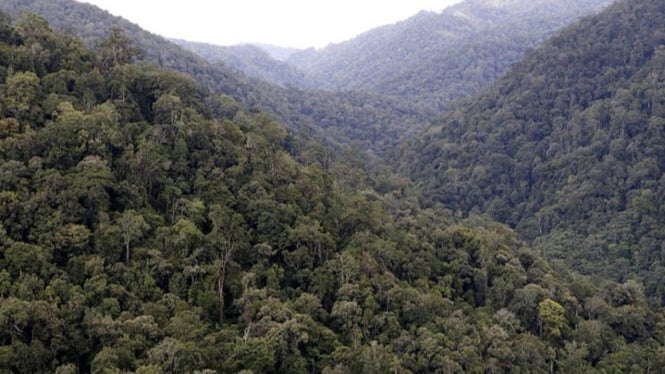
x,y
289,23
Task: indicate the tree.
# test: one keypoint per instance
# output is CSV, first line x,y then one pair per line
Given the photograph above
x,y
255,355
132,227
22,94
167,109
551,319
347,316
227,236
174,356
116,50
308,233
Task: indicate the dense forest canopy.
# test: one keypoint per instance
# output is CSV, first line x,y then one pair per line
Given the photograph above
x,y
148,225
435,58
373,122
156,221
569,148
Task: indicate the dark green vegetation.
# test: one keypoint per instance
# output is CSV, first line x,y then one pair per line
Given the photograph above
x,y
373,122
149,226
569,147
434,58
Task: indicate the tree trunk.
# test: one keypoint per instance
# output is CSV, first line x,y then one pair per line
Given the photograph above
x,y
221,278
220,291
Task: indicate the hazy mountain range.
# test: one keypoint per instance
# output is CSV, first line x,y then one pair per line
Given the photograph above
x,y
430,58
164,213
255,61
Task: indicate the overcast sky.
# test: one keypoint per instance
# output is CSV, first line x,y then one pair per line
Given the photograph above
x,y
289,23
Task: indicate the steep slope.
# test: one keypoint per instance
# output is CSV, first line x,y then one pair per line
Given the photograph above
x,y
435,58
569,147
375,123
249,59
142,230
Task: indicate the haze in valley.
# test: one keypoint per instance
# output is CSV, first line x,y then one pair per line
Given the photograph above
x,y
291,23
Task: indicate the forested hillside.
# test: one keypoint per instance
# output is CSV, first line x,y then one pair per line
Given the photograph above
x,y
569,147
249,59
150,226
433,58
374,123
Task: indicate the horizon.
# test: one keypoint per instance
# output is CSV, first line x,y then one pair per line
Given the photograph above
x,y
291,24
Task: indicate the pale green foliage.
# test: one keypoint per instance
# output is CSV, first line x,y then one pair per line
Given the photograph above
x,y
551,318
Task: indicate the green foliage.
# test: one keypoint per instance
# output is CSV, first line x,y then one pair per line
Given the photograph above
x,y
551,318
140,233
22,90
376,122
567,148
115,50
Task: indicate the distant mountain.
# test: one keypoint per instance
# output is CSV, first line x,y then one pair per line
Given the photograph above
x,y
373,122
569,147
251,60
434,58
277,52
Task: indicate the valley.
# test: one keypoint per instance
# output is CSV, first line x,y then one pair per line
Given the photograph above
x,y
476,190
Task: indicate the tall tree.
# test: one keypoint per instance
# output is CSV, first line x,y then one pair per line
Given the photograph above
x,y
116,50
227,237
132,227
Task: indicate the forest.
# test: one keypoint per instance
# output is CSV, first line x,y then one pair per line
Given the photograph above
x,y
373,122
150,223
251,60
433,58
568,148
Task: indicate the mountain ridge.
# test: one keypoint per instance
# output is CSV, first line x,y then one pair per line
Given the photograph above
x,y
469,52
567,147
377,123
430,59
252,60
149,225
